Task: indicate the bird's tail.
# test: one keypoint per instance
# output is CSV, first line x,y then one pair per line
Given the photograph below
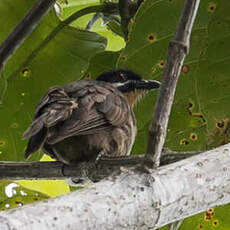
x,y
37,132
36,142
56,106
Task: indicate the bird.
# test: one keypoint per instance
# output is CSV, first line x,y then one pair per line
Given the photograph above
x,y
86,119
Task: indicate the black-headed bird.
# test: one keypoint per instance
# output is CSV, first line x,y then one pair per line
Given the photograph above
x,y
88,118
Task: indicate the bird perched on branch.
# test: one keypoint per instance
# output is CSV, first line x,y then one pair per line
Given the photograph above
x,y
88,118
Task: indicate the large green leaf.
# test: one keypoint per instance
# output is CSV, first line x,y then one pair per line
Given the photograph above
x,y
200,115
38,64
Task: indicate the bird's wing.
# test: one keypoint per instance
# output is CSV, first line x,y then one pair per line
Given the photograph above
x,y
80,108
100,106
54,107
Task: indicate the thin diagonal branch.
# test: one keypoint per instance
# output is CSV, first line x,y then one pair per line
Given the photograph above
x,y
178,50
23,29
125,15
127,10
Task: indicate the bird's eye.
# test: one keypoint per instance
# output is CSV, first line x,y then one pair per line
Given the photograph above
x,y
121,77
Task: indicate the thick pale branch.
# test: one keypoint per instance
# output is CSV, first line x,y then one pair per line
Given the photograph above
x,y
134,200
178,49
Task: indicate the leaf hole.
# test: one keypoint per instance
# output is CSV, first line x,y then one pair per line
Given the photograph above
x,y
152,38
220,124
123,58
193,136
2,143
25,72
207,216
190,105
215,223
211,211
211,8
161,64
184,141
185,69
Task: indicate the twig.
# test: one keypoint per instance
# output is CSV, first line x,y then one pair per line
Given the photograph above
x,y
81,171
178,50
23,29
93,20
125,15
127,10
111,8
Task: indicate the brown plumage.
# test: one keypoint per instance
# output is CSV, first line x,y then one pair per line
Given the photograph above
x,y
81,120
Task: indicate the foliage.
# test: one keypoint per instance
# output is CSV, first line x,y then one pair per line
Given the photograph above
x,y
200,116
38,64
14,195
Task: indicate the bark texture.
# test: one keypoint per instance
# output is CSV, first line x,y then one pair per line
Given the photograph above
x,y
134,200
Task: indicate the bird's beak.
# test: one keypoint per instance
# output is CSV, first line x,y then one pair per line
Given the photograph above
x,y
139,89
147,84
140,85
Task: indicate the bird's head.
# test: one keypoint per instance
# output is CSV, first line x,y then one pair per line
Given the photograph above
x,y
129,83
